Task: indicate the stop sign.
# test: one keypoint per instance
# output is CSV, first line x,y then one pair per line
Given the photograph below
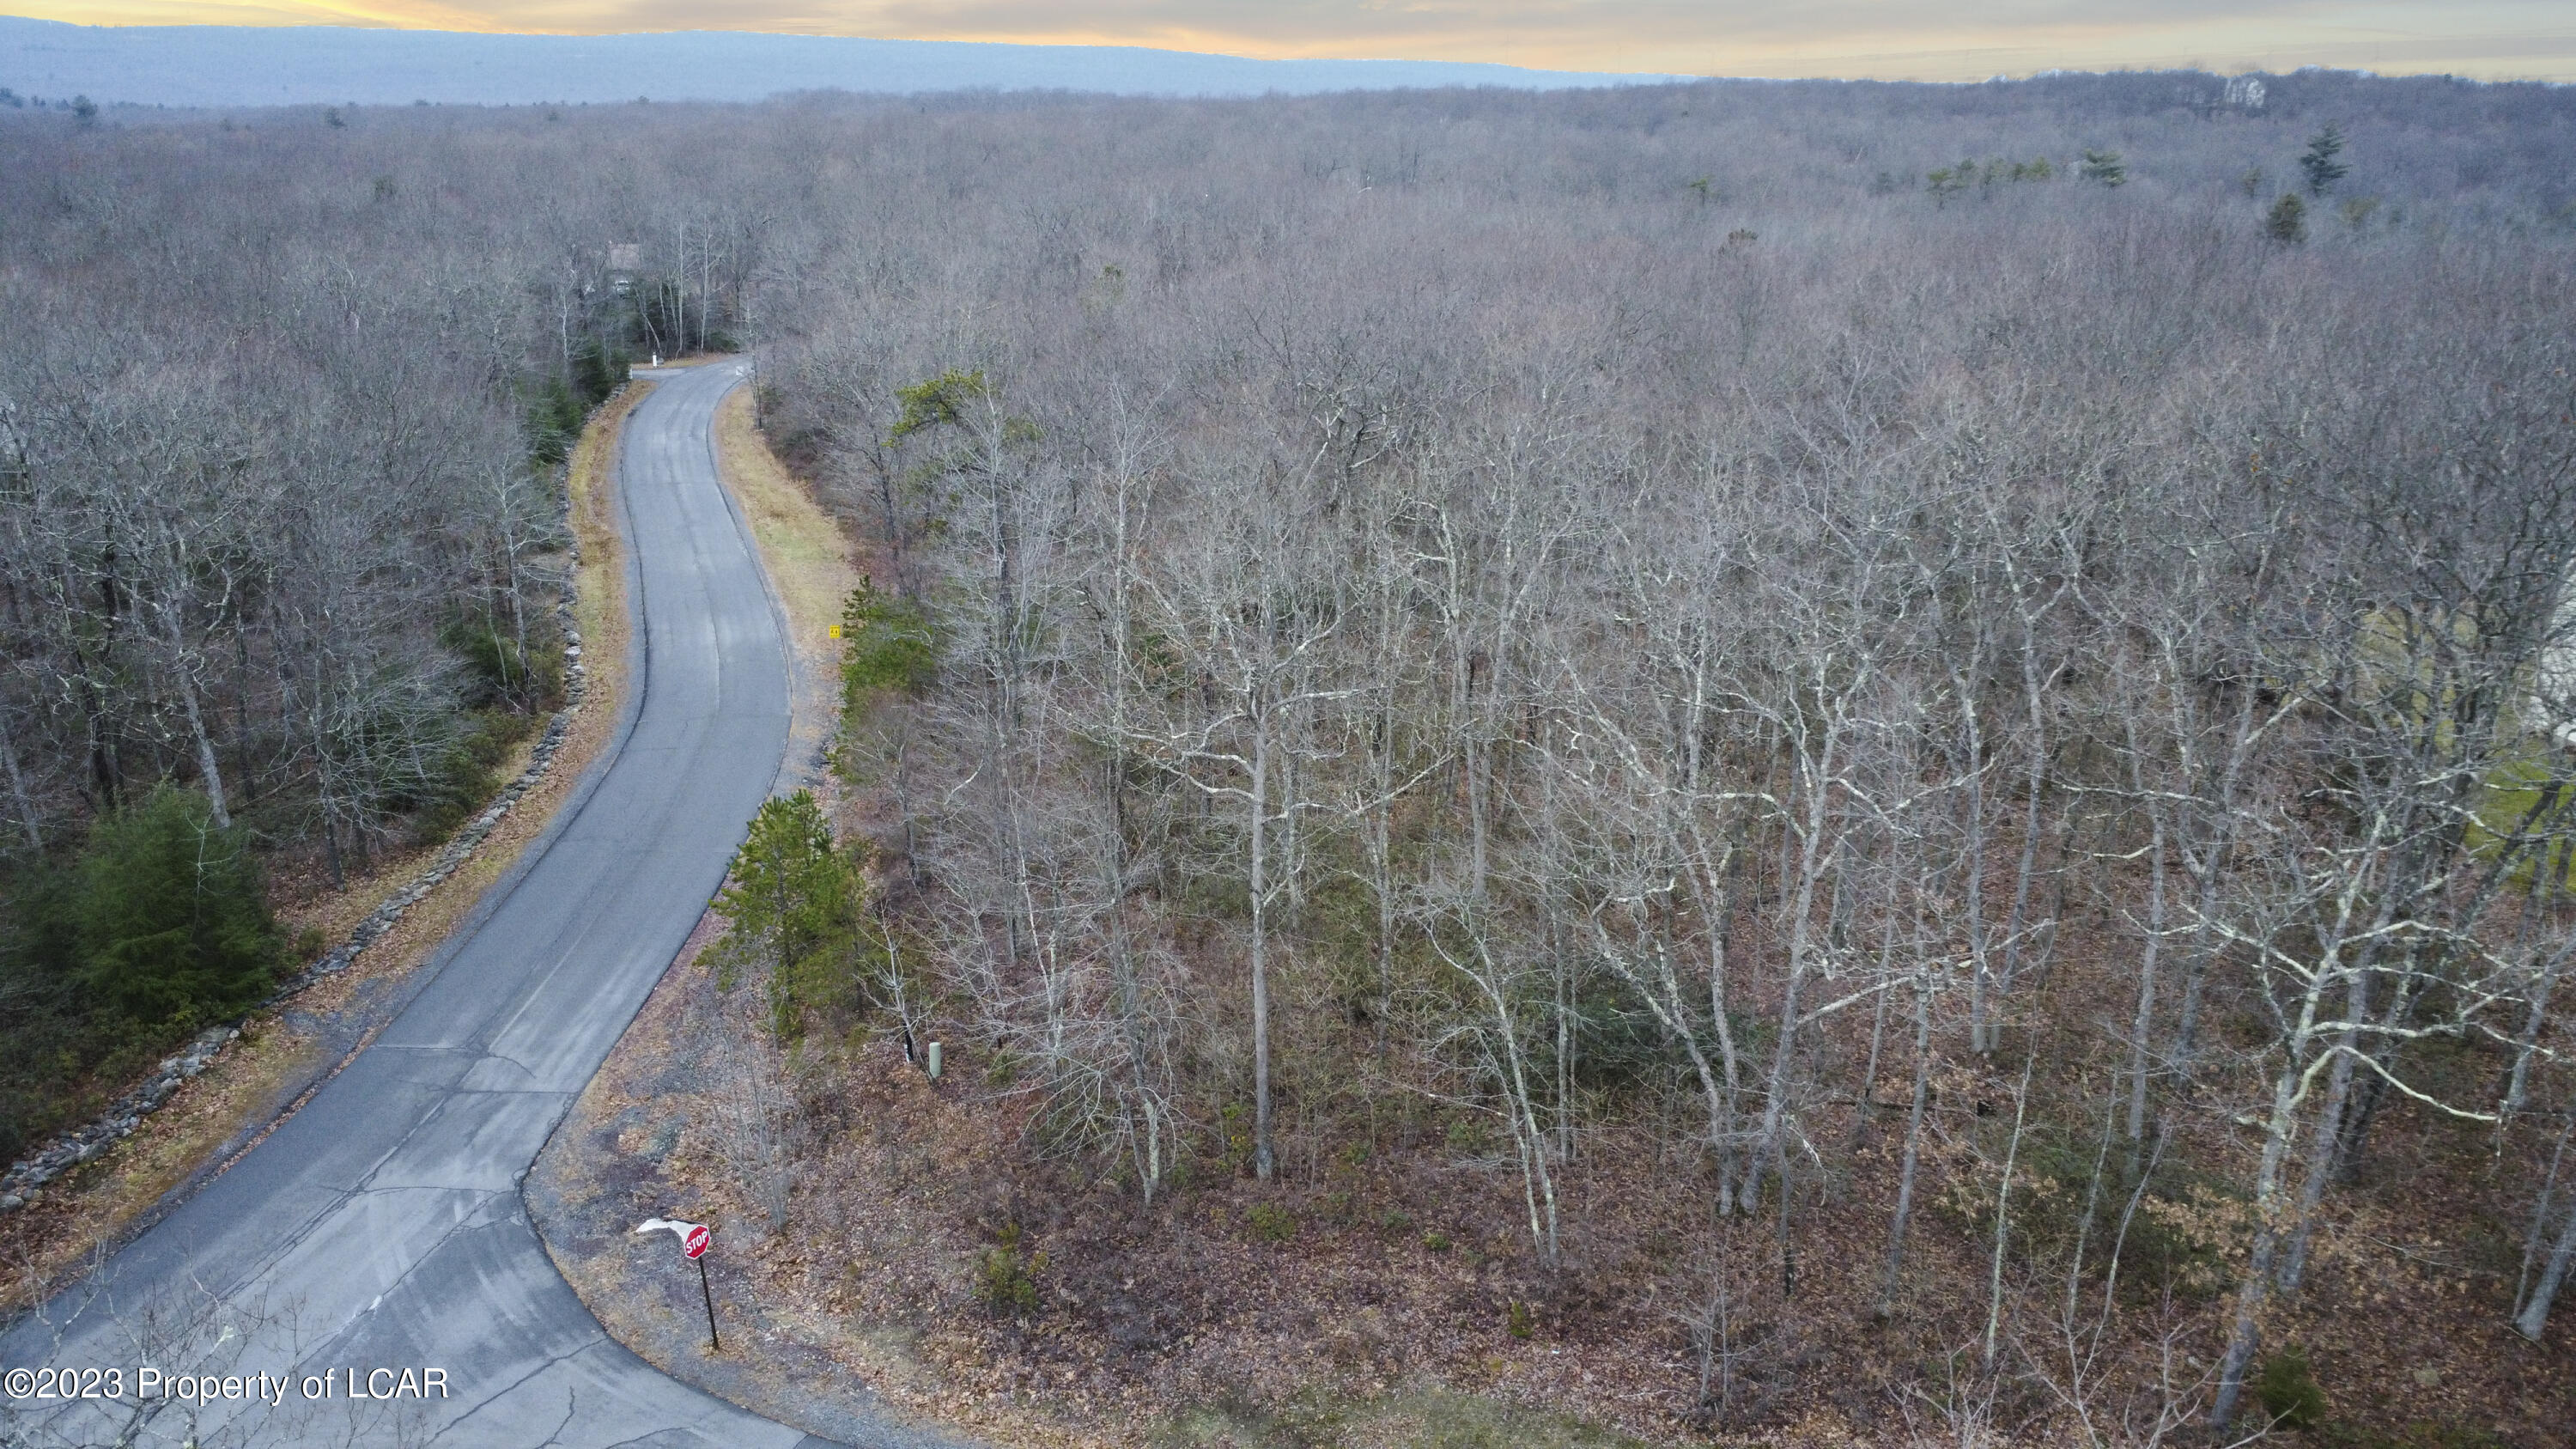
x,y
695,1244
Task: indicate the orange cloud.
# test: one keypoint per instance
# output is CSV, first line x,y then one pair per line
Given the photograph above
x,y
1895,39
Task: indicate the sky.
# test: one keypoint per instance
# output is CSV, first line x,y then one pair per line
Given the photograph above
x,y
1886,39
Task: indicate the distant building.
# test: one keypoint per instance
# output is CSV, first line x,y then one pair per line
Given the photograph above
x,y
2245,92
625,259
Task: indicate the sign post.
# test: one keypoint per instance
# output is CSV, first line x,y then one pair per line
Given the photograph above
x,y
695,1245
695,1239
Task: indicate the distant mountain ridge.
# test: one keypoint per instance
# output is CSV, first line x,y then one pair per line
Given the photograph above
x,y
226,65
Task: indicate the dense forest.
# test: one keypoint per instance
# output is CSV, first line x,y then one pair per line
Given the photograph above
x,y
1897,749
283,544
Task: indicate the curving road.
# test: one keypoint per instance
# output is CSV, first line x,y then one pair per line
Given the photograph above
x,y
381,1225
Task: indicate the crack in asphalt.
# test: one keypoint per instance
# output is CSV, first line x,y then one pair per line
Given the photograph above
x,y
547,1365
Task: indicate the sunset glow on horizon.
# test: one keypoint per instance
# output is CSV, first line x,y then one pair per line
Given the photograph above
x,y
1886,39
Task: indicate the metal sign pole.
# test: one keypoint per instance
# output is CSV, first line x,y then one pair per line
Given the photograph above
x,y
714,1345
695,1239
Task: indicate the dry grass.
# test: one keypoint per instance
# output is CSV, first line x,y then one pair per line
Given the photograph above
x,y
809,560
240,1097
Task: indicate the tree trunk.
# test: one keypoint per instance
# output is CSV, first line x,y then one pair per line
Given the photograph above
x,y
1866,1098
1802,906
1263,1158
2144,1023
2003,1209
18,787
1913,1135
2535,1310
208,768
2033,688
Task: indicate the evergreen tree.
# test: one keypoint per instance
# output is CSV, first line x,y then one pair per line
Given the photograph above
x,y
794,904
170,914
2104,168
2287,223
42,1040
2320,163
887,647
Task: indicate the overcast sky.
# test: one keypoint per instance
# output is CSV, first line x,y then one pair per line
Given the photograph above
x,y
1896,39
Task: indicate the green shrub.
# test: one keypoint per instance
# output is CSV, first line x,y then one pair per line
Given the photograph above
x,y
2103,168
1436,1240
159,925
2287,221
498,669
2172,1244
464,773
557,406
1469,1136
2288,1390
1518,1319
598,369
1271,1223
553,421
887,647
1006,1281
1234,1137
48,1034
938,402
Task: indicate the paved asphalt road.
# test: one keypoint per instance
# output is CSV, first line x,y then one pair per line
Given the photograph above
x,y
381,1226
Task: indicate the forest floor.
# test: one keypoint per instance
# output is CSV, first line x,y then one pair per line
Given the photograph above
x,y
831,1342
1369,1296
290,1047
938,1276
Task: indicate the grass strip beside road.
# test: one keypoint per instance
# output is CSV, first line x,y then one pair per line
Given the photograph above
x,y
808,559
285,1049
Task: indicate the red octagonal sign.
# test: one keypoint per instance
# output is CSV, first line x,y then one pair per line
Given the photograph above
x,y
695,1244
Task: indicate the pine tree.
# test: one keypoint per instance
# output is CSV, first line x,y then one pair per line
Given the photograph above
x,y
2287,222
2320,163
171,916
793,903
